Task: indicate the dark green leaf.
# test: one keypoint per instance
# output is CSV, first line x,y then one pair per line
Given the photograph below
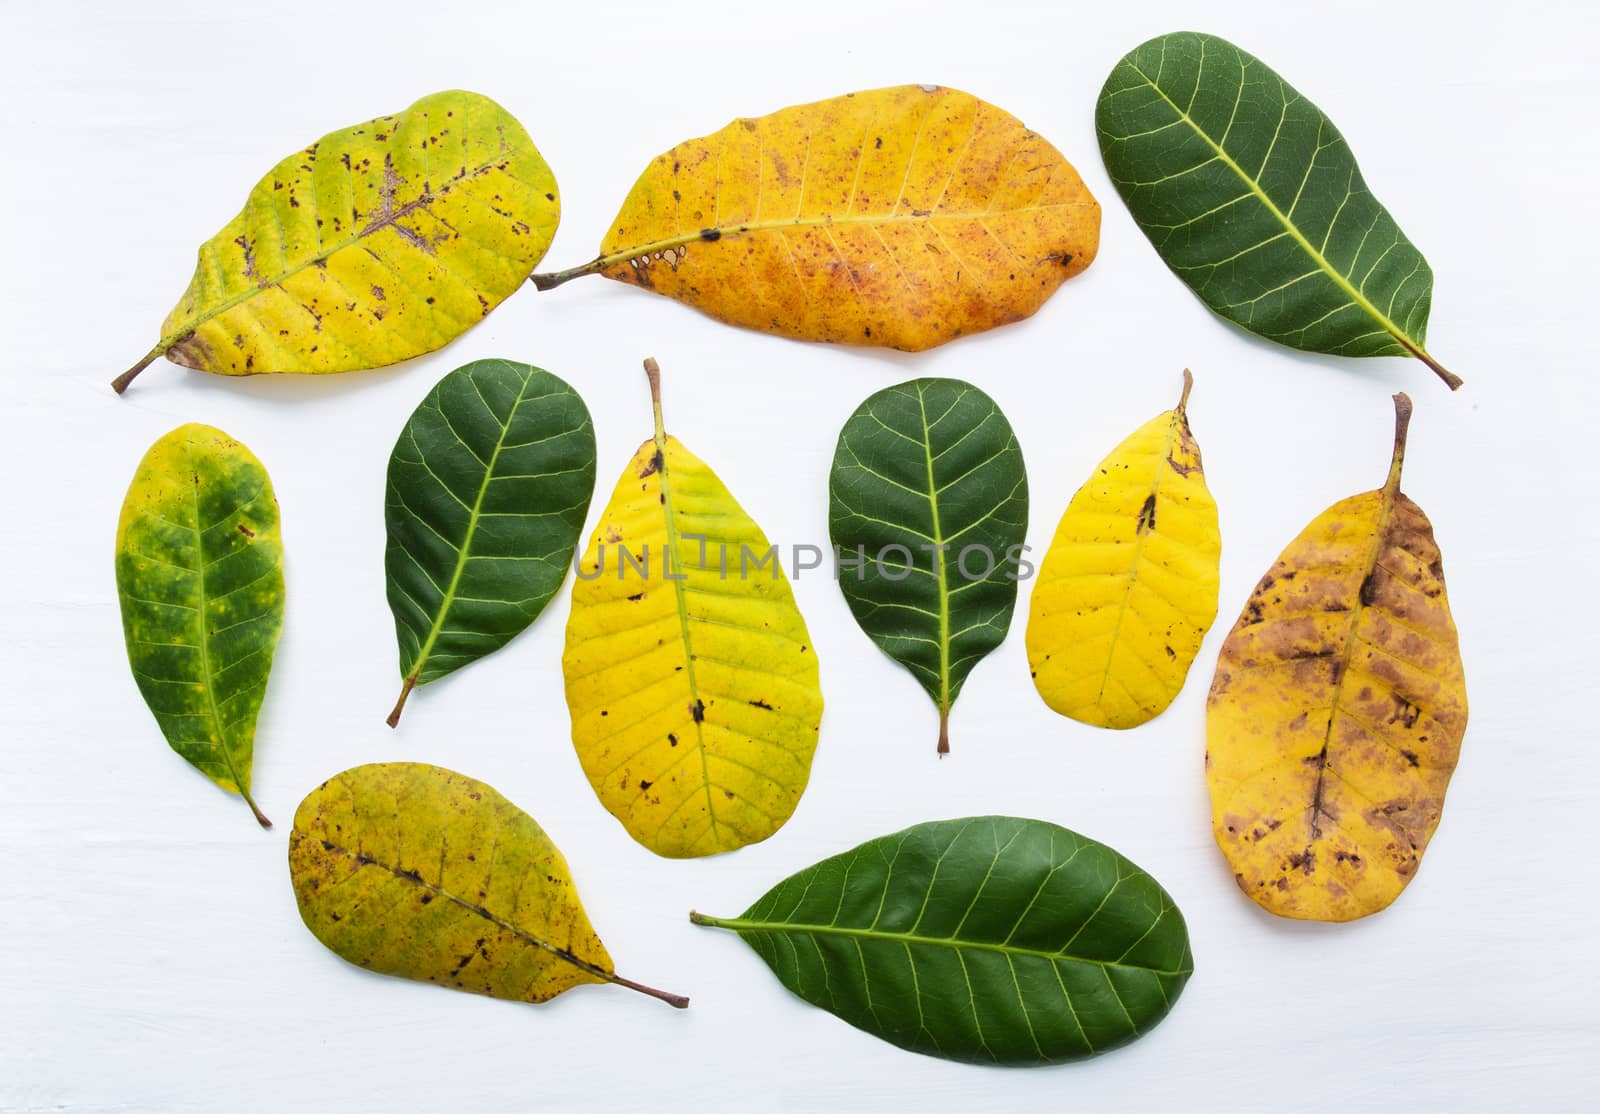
x,y
488,488
1255,200
991,939
200,579
928,485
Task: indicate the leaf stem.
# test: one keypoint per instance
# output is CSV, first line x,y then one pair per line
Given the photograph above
x,y
1402,423
908,939
399,705
249,800
676,1001
1183,399
652,371
1451,380
944,731
120,383
553,279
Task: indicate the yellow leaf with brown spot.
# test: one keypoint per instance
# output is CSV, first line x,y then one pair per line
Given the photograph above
x,y
1128,587
412,870
902,217
376,243
1337,710
690,676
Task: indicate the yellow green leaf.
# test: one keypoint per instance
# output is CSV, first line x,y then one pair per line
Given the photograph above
x,y
690,676
200,580
1128,588
376,243
412,870
903,217
1337,710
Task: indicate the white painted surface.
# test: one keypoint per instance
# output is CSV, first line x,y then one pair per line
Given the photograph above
x,y
152,959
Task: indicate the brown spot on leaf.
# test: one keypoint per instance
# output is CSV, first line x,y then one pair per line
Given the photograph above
x,y
1147,514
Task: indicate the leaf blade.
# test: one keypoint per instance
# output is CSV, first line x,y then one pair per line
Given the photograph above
x,y
692,683
1297,250
1111,638
199,569
1337,711
903,217
921,465
488,486
980,936
376,243
385,864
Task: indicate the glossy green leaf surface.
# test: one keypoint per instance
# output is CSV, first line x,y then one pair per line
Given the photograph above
x,y
928,506
991,939
488,487
1254,199
200,579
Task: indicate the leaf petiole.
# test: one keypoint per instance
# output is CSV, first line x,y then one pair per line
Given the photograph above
x,y
400,705
120,383
554,279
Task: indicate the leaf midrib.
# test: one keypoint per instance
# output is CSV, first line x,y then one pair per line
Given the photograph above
x,y
1132,575
416,879
203,619
740,924
462,555
680,595
730,231
1289,226
1389,493
939,556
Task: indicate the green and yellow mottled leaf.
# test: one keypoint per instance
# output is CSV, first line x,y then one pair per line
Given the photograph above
x,y
1337,711
903,217
488,487
411,870
1128,588
376,243
690,676
200,578
992,939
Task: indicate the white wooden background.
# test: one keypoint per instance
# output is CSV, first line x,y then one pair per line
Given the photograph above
x,y
151,958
